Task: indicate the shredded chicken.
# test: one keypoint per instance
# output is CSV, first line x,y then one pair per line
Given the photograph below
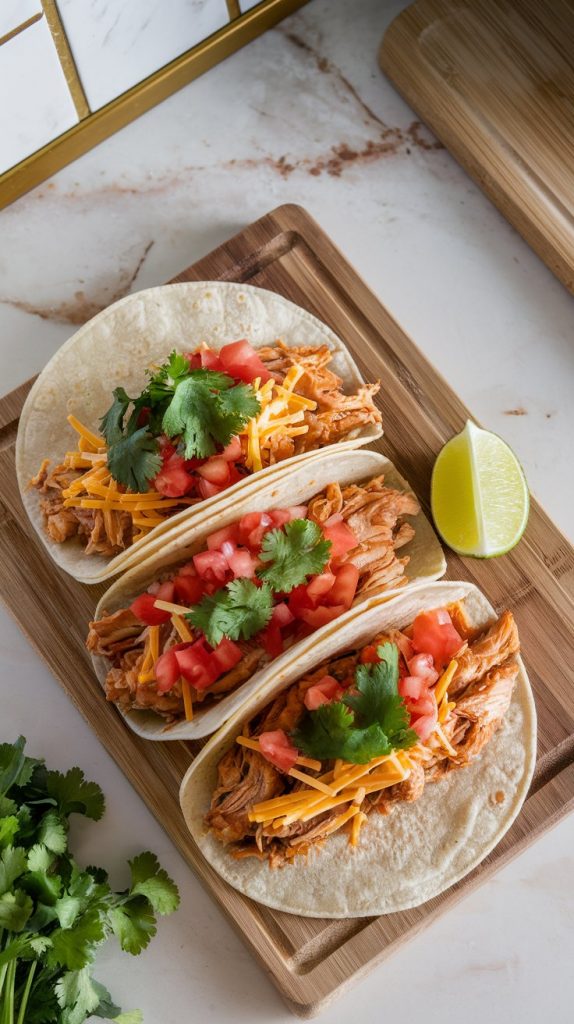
x,y
489,672
374,513
85,523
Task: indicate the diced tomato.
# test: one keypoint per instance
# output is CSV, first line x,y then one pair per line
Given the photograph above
x,y
317,617
272,640
234,473
173,480
323,692
299,600
369,655
342,539
242,564
282,616
229,533
404,645
144,609
240,360
210,360
166,448
215,470
167,671
143,416
188,589
194,360
319,586
165,591
252,527
411,687
277,748
434,633
297,512
425,704
345,586
211,565
280,516
226,655
233,450
424,726
207,489
422,665
197,666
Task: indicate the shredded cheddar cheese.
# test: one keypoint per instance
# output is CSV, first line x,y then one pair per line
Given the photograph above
x,y
182,628
187,701
445,680
282,413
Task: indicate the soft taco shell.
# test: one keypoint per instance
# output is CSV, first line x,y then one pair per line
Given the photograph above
x,y
426,563
114,349
421,848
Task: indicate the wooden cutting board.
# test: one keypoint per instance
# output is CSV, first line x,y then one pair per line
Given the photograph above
x,y
311,961
494,79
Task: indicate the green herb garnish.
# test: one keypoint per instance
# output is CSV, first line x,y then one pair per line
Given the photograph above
x,y
238,610
294,552
369,724
54,915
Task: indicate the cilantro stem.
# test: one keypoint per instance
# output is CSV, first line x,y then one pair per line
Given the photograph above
x,y
26,993
8,1004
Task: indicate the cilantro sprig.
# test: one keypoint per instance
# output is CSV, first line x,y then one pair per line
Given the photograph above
x,y
368,724
203,409
238,610
294,552
54,915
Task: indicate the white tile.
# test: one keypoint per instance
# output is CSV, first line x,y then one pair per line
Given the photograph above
x,y
246,5
38,106
118,43
15,12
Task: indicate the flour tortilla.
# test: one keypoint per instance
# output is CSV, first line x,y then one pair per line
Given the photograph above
x,y
114,349
426,562
417,851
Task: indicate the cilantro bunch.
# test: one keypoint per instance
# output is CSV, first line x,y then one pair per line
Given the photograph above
x,y
241,609
204,409
54,915
368,724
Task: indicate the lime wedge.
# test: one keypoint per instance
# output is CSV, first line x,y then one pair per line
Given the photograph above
x,y
479,496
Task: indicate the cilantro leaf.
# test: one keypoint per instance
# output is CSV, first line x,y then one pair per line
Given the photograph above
x,y
15,768
9,827
73,795
164,382
73,947
112,423
15,909
13,863
296,551
134,459
76,995
133,924
238,610
207,409
151,881
52,832
41,881
365,725
378,699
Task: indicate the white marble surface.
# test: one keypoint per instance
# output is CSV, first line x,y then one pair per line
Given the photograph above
x,y
303,115
14,13
35,104
118,43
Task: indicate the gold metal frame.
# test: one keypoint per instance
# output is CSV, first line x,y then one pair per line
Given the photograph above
x,y
95,127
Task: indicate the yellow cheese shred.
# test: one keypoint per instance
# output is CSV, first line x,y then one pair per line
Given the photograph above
x,y
444,681
182,628
358,820
187,701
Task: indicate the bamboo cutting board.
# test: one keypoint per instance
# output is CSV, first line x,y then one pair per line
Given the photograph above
x,y
495,82
310,961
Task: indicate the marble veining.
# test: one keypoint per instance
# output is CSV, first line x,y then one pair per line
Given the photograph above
x,y
14,13
304,115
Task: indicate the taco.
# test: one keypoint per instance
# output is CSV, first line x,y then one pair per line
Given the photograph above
x,y
166,404
379,768
181,639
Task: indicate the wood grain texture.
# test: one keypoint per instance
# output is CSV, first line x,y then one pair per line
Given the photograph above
x,y
310,961
495,82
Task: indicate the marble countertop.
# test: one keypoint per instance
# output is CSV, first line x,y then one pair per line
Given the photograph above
x,y
304,115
